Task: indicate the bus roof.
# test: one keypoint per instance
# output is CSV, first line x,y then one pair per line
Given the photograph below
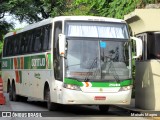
x,y
76,18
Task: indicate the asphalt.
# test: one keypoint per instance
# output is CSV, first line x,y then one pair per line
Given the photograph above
x,y
137,112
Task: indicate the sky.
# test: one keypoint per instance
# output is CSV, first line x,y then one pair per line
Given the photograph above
x,y
17,24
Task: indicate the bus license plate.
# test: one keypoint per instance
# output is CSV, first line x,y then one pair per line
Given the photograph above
x,y
99,98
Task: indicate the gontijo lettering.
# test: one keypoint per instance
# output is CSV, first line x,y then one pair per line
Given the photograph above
x,y
38,62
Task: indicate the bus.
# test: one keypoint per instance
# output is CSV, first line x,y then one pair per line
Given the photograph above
x,y
70,60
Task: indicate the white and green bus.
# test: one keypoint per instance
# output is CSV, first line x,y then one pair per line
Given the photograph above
x,y
70,60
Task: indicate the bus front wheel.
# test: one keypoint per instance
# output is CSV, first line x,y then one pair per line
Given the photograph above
x,y
104,108
50,105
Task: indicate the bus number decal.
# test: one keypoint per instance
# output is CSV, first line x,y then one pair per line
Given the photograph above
x,y
4,64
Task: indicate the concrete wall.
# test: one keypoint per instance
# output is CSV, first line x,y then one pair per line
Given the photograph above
x,y
147,85
143,20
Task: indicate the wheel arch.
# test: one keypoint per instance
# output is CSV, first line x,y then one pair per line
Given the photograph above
x,y
46,86
8,85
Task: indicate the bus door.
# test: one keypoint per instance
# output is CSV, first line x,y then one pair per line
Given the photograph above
x,y
57,61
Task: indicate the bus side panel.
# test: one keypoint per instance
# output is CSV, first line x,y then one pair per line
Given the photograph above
x,y
5,77
36,81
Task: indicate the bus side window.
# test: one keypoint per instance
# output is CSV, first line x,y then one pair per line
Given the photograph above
x,y
10,47
56,57
49,35
46,42
15,46
26,43
37,42
30,41
41,39
5,47
19,45
23,39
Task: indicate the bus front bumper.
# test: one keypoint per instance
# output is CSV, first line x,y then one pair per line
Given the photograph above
x,y
79,97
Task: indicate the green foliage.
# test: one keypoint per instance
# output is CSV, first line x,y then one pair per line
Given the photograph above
x,y
107,8
58,8
28,10
120,7
76,8
1,46
86,7
4,28
143,3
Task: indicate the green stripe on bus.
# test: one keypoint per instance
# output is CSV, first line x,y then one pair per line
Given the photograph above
x,y
72,81
99,84
11,67
20,75
49,61
112,84
38,62
42,61
27,62
127,82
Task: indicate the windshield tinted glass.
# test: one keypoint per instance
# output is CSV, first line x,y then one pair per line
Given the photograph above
x,y
96,60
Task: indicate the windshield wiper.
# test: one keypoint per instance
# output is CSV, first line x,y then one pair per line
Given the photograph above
x,y
115,75
91,67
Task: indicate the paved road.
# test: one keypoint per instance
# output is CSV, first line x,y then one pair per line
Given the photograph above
x,y
67,112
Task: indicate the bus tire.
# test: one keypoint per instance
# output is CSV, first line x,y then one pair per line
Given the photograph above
x,y
104,108
15,96
10,93
50,105
23,99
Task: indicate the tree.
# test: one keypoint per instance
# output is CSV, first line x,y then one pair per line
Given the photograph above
x,y
28,10
35,10
4,26
107,8
119,8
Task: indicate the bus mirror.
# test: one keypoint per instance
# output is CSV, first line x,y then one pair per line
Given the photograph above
x,y
62,38
138,47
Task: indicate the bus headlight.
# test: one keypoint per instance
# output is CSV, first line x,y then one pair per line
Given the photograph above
x,y
72,87
126,88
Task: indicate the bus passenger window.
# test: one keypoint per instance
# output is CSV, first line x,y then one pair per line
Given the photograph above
x,y
23,39
15,46
46,42
10,47
37,43
30,42
5,48
26,44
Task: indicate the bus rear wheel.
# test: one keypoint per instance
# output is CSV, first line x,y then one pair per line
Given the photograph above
x,y
50,105
10,93
23,99
14,95
104,108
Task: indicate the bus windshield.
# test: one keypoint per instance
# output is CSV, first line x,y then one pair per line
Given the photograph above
x,y
96,60
99,52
